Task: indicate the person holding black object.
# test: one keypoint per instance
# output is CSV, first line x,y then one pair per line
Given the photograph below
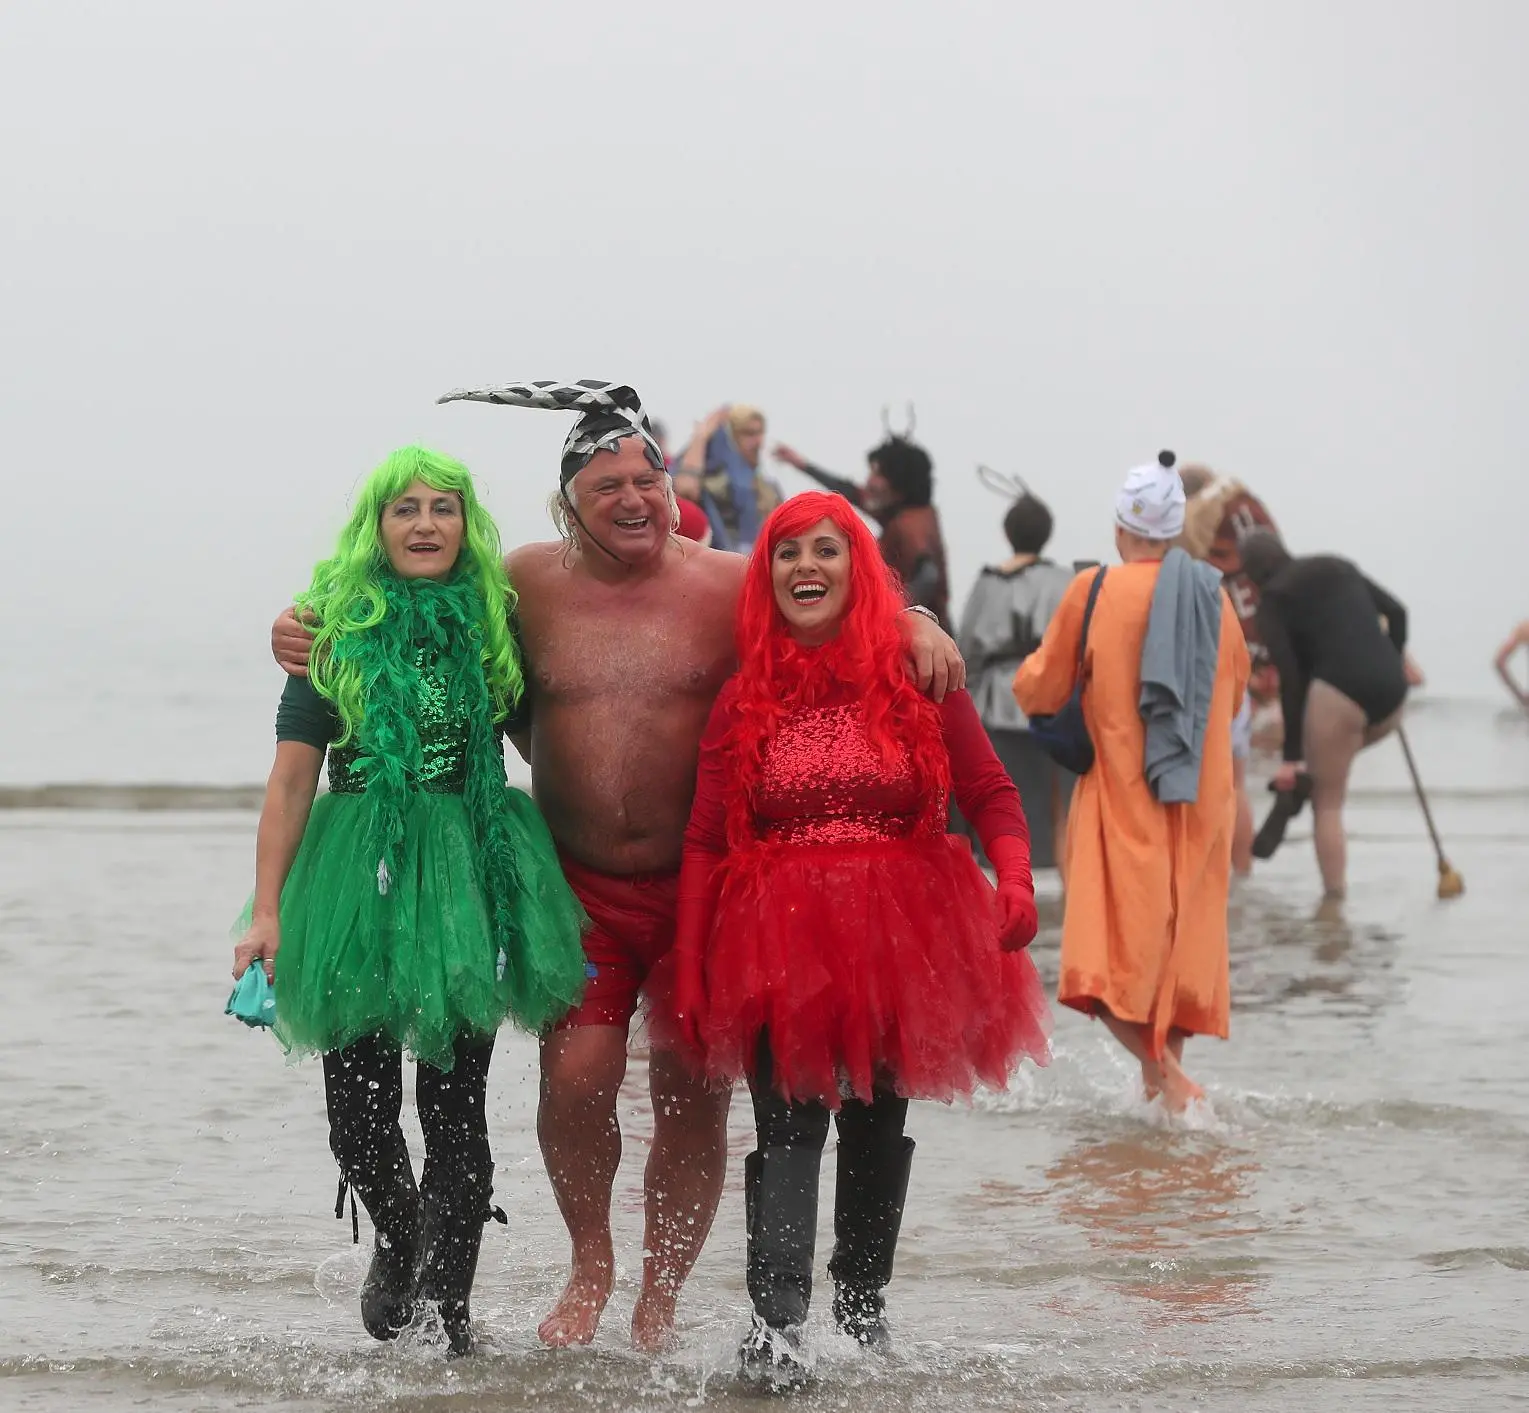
x,y
1337,640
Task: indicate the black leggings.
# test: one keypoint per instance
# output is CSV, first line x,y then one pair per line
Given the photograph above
x,y
363,1086
863,1128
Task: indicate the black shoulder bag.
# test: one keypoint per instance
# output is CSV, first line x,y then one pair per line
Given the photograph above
x,y
1064,735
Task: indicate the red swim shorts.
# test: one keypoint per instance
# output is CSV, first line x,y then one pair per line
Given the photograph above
x,y
632,917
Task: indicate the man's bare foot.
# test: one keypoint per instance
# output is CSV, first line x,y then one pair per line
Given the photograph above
x,y
576,1316
653,1321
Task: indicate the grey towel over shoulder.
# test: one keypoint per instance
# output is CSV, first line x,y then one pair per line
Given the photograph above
x,y
1178,674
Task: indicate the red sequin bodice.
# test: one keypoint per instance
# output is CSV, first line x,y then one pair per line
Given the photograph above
x,y
822,781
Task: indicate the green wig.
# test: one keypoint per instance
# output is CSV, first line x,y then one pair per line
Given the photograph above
x,y
346,594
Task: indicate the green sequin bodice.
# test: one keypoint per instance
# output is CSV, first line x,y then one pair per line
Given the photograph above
x,y
442,741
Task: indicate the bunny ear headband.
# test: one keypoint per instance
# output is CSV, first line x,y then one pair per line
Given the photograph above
x,y
1002,484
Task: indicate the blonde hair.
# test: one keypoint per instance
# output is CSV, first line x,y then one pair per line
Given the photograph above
x,y
740,414
1206,495
1195,478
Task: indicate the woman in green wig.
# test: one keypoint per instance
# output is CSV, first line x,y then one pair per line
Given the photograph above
x,y
419,902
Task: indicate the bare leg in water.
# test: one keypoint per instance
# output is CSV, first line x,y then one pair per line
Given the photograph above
x,y
1162,1076
1242,828
582,1070
683,1183
1335,732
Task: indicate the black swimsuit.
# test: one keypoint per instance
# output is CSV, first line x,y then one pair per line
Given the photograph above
x,y
1319,618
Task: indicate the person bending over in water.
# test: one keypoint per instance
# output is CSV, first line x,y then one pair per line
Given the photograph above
x,y
1144,937
419,902
1341,678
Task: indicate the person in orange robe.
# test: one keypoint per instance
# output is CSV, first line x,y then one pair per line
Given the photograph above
x,y
1144,937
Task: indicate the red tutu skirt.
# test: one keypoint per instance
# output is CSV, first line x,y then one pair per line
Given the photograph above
x,y
867,964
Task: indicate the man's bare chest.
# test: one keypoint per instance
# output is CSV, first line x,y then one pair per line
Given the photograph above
x,y
575,657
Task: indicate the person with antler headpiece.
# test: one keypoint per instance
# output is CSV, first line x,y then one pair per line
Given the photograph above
x,y
626,632
897,495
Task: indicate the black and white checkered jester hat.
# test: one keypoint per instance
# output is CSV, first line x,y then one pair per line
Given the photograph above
x,y
608,413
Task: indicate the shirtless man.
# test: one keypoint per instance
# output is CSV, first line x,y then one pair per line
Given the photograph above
x,y
627,634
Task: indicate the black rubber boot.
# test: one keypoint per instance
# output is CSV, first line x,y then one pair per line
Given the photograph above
x,y
781,1211
1287,804
451,1234
868,1215
387,1191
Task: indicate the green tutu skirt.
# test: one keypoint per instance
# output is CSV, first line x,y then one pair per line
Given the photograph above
x,y
420,964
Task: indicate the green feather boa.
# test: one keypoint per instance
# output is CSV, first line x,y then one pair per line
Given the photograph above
x,y
434,626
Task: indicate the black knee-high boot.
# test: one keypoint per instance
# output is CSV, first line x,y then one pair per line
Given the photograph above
x,y
868,1215
455,1208
383,1178
781,1207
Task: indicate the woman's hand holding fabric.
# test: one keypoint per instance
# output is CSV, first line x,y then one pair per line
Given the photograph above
x,y
260,944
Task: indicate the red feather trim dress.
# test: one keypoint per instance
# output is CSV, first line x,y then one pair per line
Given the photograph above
x,y
852,928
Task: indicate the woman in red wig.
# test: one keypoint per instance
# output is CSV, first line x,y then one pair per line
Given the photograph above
x,y
836,945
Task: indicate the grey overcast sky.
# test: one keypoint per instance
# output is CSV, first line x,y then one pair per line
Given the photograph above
x,y
244,246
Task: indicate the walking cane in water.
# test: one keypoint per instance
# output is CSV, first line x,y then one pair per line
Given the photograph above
x,y
1451,885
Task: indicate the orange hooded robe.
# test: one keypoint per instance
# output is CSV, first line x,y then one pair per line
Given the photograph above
x,y
1145,931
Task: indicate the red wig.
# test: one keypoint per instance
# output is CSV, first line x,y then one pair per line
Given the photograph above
x,y
868,656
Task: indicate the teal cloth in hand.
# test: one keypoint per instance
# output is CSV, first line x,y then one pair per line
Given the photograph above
x,y
252,999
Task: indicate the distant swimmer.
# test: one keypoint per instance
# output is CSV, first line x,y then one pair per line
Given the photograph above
x,y
1519,638
1342,681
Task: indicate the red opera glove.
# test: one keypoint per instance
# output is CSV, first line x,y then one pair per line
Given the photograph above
x,y
1018,921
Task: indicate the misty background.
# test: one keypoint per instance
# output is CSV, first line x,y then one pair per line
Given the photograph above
x,y
244,247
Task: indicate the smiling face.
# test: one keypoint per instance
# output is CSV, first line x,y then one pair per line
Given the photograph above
x,y
624,500
810,574
422,532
